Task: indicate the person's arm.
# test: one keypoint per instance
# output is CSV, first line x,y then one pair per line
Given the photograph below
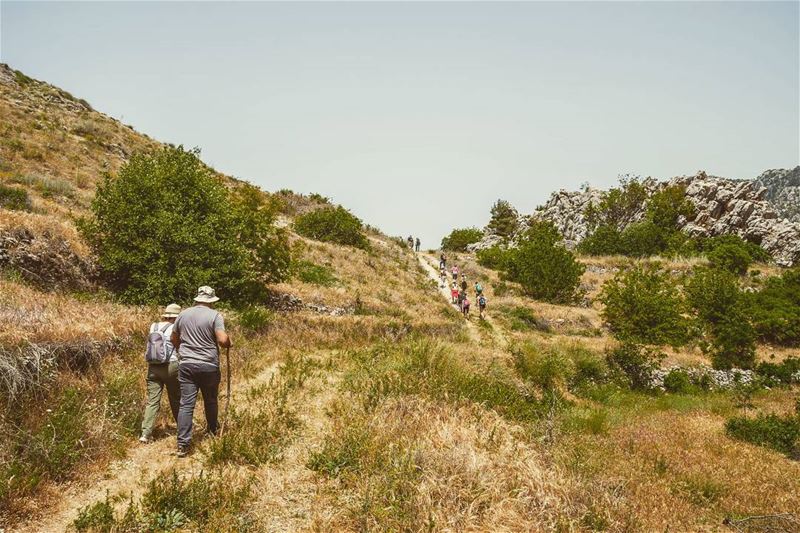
x,y
175,338
219,332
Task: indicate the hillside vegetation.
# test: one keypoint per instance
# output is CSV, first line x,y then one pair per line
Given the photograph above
x,y
362,399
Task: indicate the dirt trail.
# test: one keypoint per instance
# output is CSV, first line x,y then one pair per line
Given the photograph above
x,y
428,261
129,475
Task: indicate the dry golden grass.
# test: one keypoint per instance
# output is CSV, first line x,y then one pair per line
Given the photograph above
x,y
678,470
28,315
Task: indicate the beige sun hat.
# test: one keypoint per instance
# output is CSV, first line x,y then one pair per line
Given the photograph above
x,y
171,311
206,294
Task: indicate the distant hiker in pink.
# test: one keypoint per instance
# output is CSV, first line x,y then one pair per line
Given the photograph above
x,y
465,306
454,271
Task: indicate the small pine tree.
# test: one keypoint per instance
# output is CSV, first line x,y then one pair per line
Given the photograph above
x,y
505,219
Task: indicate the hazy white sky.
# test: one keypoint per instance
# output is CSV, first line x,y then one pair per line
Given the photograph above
x,y
417,116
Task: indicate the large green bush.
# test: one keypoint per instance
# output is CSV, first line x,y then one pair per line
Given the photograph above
x,y
730,257
166,224
728,336
667,206
458,239
775,310
332,224
491,257
642,239
643,305
605,240
545,269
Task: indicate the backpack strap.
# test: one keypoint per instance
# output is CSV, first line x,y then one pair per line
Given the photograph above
x,y
165,328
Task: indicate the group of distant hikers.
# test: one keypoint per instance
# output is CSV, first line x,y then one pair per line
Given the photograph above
x,y
182,355
458,290
413,244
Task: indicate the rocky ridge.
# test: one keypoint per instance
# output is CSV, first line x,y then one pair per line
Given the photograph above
x,y
723,207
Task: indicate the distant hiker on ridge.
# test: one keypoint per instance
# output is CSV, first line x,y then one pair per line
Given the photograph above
x,y
410,241
442,261
416,246
162,371
198,333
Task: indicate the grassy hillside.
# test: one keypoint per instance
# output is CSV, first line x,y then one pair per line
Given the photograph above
x,y
362,401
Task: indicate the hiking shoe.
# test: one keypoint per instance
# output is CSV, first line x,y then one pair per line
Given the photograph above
x,y
145,440
183,451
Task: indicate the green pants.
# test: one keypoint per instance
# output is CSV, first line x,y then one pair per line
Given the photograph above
x,y
159,376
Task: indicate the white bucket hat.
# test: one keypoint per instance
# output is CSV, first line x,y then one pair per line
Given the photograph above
x,y
206,294
171,311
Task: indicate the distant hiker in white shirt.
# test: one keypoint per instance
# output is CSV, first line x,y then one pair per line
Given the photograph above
x,y
162,371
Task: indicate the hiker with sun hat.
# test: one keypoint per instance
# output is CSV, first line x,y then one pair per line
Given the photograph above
x,y
198,334
162,371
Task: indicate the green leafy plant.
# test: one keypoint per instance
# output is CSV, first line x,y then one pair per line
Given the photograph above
x,y
256,319
731,258
166,224
492,257
544,269
780,433
636,363
728,336
605,240
643,305
14,198
332,224
775,309
458,239
504,220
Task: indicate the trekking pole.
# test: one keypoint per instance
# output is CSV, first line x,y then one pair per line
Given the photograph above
x,y
228,394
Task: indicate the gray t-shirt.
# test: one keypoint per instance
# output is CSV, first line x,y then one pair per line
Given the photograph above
x,y
195,327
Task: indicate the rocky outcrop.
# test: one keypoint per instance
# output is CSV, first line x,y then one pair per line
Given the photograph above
x,y
45,260
723,207
782,191
739,207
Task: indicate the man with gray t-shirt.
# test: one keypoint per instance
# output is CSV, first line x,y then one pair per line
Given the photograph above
x,y
197,335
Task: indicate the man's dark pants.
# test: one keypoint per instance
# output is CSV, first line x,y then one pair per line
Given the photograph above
x,y
192,379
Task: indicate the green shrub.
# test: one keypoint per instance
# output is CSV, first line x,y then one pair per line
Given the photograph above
x,y
332,224
256,319
668,205
678,381
785,372
756,253
97,517
605,240
204,502
14,198
643,305
728,336
544,269
523,319
308,272
775,310
642,239
618,206
458,239
636,363
491,257
545,368
731,258
504,220
772,431
166,225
